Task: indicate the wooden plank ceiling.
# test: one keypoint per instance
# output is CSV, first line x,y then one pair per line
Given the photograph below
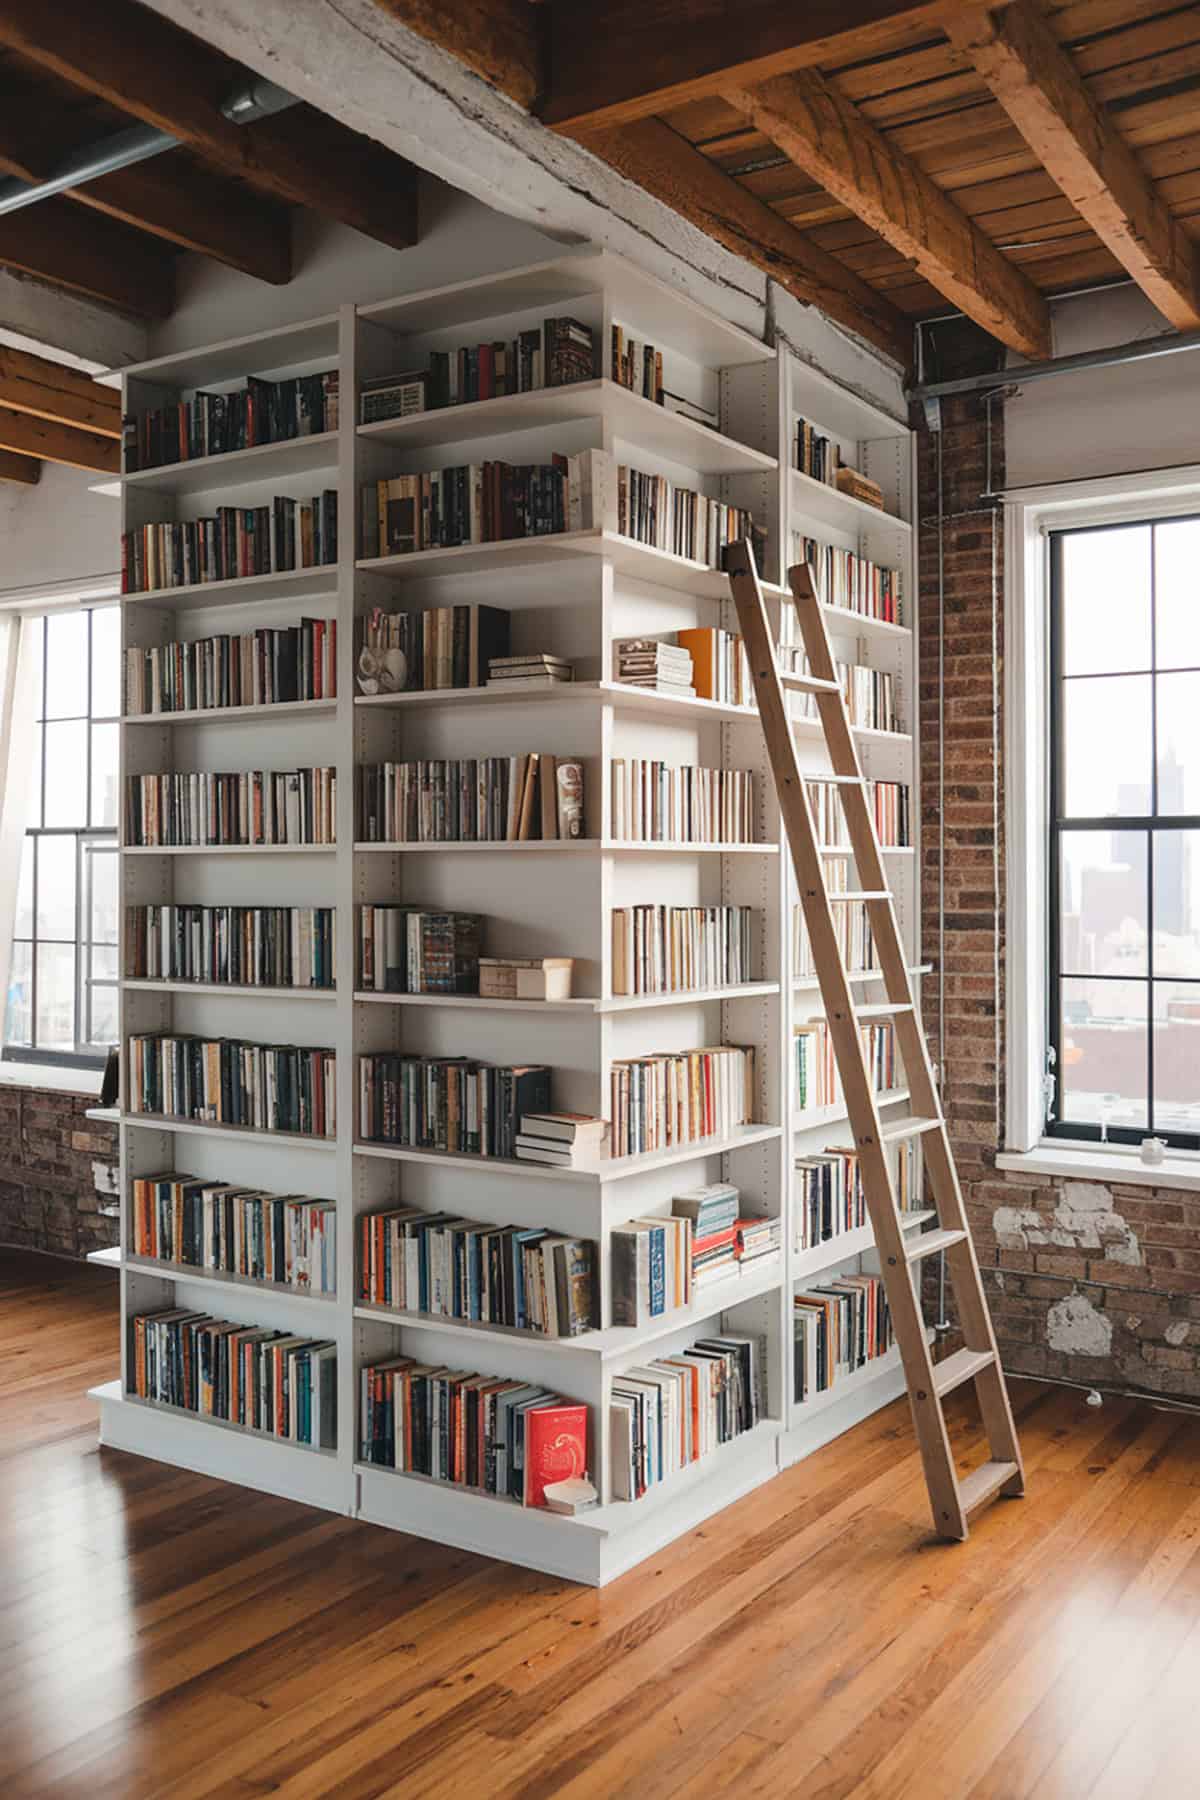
x,y
887,160
76,73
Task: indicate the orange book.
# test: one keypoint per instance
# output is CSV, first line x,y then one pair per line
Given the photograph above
x,y
701,640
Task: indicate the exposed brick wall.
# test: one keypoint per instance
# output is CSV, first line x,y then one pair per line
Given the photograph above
x,y
48,1198
1098,1283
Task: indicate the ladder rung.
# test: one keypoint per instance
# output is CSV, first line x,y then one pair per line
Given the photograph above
x,y
977,1488
832,780
960,1368
861,894
931,1243
906,1128
807,684
883,1009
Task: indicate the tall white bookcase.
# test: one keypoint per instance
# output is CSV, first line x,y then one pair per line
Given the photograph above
x,y
573,594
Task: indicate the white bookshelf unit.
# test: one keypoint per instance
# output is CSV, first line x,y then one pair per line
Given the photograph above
x,y
573,594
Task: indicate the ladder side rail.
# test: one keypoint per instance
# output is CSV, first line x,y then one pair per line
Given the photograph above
x,y
796,814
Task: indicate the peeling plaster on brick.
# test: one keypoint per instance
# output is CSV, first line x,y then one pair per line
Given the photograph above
x,y
1083,1220
1177,1333
1075,1328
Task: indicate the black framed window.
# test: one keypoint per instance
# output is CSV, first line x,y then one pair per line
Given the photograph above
x,y
1124,807
62,992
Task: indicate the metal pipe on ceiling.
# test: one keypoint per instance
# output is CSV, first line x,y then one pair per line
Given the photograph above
x,y
1171,343
254,99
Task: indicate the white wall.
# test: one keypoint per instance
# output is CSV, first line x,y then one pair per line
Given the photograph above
x,y
57,532
1110,421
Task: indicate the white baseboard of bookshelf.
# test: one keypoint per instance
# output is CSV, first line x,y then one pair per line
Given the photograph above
x,y
224,1452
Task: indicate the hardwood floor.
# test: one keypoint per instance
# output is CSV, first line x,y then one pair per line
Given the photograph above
x,y
166,1635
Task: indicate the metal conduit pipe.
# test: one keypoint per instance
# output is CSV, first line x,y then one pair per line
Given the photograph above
x,y
1171,343
256,99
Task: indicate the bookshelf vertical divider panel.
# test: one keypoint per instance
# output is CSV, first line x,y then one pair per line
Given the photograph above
x,y
574,598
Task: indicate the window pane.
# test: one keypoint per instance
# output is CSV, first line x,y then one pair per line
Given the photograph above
x,y
66,777
106,662
1106,600
1107,741
102,925
18,1014
1179,744
66,665
1102,1061
104,962
56,888
1177,594
34,803
104,1016
36,647
1103,902
1177,903
1176,1056
23,927
55,1024
104,774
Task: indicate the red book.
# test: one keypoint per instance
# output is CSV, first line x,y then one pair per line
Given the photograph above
x,y
714,1241
555,1448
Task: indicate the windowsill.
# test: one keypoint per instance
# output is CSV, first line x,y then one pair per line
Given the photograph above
x,y
51,1076
1103,1162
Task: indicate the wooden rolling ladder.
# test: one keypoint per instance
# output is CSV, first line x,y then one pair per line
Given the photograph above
x,y
953,1501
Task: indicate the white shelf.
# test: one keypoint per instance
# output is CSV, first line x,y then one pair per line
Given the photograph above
x,y
284,461
320,1307
242,590
812,1118
627,415
744,990
571,693
845,619
615,1168
884,537
287,1140
747,1282
640,562
282,347
136,984
839,409
228,849
845,1390
614,1004
106,1259
223,715
573,846
104,1115
830,1252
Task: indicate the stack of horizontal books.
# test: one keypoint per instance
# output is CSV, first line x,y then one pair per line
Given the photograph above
x,y
562,1140
654,663
713,1211
538,670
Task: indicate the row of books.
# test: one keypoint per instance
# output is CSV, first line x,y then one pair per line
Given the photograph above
x,y
817,1079
638,367
262,1380
229,1081
485,799
676,1409
838,1327
851,929
698,660
870,694
851,581
406,950
442,647
263,412
453,1104
669,949
480,503
233,946
251,806
888,802
557,353
816,454
250,668
232,543
496,1436
679,1097
829,1195
654,511
452,1268
652,802
228,1229
661,1264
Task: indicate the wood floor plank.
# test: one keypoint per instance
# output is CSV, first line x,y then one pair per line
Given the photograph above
x,y
167,1637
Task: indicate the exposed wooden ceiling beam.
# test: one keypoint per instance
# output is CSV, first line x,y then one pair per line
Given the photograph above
x,y
498,39
170,197
48,390
26,469
65,245
1039,88
652,156
826,136
619,60
149,68
28,436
